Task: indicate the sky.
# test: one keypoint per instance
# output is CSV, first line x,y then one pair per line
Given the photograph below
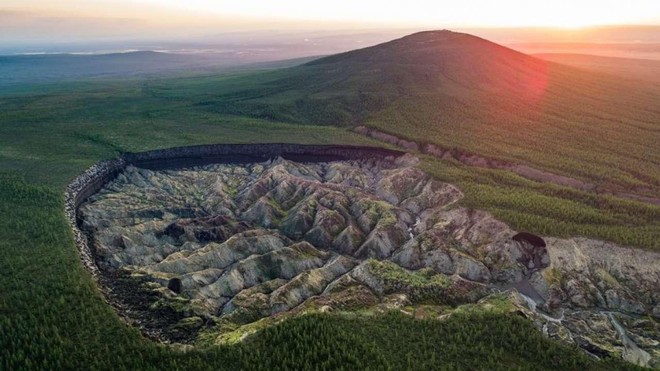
x,y
472,13
122,18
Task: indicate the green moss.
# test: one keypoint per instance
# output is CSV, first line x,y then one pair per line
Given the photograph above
x,y
377,212
498,303
607,277
422,278
227,333
176,303
232,191
552,276
189,323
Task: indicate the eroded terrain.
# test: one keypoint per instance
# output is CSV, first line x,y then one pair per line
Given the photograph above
x,y
226,249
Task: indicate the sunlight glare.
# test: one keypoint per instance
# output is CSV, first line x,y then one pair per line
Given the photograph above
x,y
507,13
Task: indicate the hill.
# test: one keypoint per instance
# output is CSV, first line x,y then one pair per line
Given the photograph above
x,y
460,91
593,128
22,70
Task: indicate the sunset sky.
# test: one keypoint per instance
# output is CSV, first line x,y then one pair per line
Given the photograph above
x,y
30,19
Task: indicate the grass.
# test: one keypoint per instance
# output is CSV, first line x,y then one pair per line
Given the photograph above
x,y
551,210
462,92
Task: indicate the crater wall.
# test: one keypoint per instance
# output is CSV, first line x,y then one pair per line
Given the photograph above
x,y
243,153
94,178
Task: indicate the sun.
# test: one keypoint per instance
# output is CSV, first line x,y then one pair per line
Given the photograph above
x,y
573,24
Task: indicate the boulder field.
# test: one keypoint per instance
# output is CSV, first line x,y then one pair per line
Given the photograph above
x,y
232,247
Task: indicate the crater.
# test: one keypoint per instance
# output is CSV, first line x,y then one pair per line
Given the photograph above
x,y
191,250
240,242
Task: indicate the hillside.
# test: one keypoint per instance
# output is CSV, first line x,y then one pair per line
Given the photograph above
x,y
461,91
640,69
17,71
597,140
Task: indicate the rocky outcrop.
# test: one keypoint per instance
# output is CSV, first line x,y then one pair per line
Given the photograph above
x,y
235,243
94,178
225,229
599,296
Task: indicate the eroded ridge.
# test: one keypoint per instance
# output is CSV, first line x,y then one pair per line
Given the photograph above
x,y
228,244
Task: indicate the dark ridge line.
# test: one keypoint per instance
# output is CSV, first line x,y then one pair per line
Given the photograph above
x,y
187,156
472,159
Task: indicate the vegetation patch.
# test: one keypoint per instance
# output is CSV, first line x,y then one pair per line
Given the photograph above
x,y
395,275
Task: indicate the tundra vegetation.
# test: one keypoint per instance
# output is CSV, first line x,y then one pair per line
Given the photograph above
x,y
52,315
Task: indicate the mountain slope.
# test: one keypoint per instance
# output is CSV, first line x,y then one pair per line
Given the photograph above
x,y
461,91
640,69
22,70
